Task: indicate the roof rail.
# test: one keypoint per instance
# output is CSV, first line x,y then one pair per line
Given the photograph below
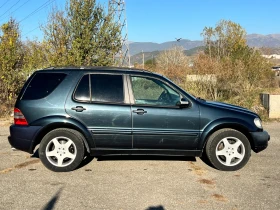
x,y
97,67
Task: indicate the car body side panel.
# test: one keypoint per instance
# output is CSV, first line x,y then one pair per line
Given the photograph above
x,y
166,128
109,124
53,122
215,117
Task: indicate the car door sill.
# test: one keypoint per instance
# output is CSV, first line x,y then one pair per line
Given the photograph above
x,y
172,152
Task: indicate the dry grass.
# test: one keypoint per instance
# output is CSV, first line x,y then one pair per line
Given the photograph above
x,y
6,121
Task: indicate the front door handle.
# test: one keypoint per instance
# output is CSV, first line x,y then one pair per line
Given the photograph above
x,y
139,111
78,108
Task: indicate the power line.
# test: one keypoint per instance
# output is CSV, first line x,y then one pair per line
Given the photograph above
x,y
4,4
10,8
31,31
38,9
16,9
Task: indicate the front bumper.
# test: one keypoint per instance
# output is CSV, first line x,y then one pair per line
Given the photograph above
x,y
260,140
22,137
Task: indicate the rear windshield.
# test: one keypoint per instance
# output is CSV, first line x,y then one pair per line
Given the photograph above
x,y
42,84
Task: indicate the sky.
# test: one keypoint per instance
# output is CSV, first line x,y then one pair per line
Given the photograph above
x,y
158,20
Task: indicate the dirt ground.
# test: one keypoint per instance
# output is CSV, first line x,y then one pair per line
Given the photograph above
x,y
140,182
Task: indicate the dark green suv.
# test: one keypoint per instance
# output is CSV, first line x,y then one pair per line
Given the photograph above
x,y
73,112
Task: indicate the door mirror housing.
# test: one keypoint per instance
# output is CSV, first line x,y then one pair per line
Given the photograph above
x,y
183,103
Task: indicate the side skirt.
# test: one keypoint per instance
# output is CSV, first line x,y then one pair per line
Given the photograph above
x,y
108,151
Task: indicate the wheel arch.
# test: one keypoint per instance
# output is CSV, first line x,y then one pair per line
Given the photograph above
x,y
50,123
238,125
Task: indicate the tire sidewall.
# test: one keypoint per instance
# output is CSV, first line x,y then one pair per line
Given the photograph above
x,y
69,133
213,141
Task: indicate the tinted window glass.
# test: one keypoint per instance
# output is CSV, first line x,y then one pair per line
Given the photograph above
x,y
42,84
82,92
107,88
24,86
148,91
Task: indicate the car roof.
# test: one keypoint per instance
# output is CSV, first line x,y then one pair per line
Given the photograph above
x,y
108,69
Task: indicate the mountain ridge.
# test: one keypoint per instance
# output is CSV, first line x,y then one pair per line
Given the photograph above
x,y
253,40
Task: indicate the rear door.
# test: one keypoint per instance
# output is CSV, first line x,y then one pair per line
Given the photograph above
x,y
100,102
158,122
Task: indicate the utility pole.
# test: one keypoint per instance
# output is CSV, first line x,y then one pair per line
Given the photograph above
x,y
117,9
143,60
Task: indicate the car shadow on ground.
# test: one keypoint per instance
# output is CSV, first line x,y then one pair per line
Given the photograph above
x,y
88,159
35,154
144,157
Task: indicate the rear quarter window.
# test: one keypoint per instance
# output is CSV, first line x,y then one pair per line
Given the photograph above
x,y
42,84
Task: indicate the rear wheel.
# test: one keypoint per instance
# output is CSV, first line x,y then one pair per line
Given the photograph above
x,y
62,150
228,149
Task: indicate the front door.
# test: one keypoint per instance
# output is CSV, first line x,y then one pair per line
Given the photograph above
x,y
158,121
100,104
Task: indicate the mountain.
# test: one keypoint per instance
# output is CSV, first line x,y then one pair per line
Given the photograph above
x,y
258,40
137,47
138,58
253,40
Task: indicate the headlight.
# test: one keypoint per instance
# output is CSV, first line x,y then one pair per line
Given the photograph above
x,y
258,122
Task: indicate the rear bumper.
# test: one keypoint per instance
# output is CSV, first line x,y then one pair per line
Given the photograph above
x,y
260,140
22,137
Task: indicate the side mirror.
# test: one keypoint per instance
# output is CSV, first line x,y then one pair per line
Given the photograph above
x,y
183,103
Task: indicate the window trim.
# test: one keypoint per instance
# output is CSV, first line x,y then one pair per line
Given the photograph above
x,y
125,101
150,105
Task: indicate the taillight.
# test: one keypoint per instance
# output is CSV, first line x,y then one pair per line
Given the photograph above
x,y
19,118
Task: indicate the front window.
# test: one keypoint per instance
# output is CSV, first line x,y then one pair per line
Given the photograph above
x,y
149,91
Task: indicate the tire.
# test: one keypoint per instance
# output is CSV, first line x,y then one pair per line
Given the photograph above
x,y
62,150
228,150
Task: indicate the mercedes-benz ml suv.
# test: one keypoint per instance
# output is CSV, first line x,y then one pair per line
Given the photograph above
x,y
71,113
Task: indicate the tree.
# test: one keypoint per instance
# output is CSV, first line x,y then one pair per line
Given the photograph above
x,y
57,38
35,56
82,35
173,63
225,39
240,72
11,61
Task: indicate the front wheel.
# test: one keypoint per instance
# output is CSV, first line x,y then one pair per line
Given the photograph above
x,y
62,150
228,150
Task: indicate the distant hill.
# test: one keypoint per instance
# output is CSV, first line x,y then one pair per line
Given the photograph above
x,y
138,58
258,40
253,40
137,47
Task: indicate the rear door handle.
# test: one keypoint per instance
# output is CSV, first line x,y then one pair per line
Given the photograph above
x,y
78,108
139,111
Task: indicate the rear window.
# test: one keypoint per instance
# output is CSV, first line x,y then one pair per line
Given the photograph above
x,y
42,84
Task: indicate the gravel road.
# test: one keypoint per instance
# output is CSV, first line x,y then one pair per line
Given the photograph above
x,y
144,183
